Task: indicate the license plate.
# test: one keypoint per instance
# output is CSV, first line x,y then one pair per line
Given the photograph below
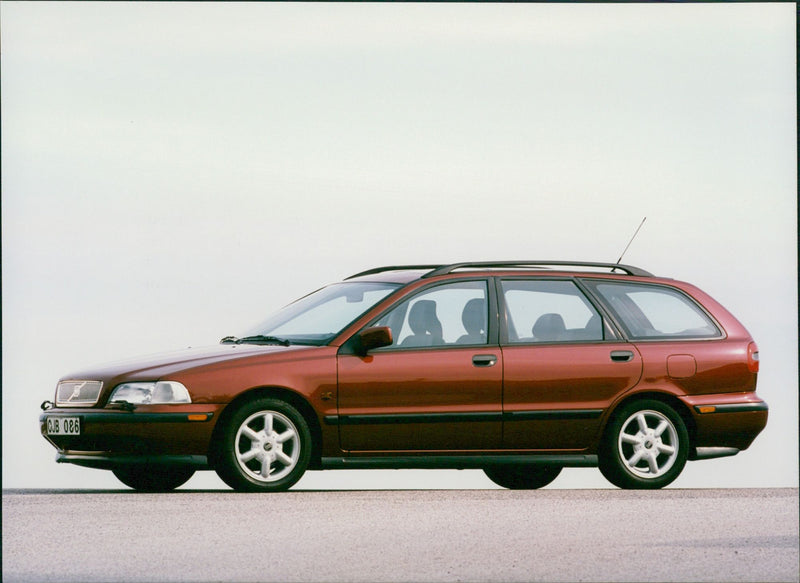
x,y
63,426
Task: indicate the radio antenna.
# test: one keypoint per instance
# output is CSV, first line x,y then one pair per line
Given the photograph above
x,y
631,241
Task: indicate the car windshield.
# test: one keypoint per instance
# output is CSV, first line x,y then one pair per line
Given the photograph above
x,y
316,318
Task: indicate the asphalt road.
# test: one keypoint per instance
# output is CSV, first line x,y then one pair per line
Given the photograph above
x,y
464,535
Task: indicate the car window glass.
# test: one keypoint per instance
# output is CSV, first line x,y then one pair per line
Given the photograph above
x,y
648,311
549,311
449,314
330,316
319,316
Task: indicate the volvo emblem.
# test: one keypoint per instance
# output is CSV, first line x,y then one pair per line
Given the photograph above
x,y
76,392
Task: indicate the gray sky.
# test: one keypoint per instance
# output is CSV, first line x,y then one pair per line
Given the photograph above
x,y
174,172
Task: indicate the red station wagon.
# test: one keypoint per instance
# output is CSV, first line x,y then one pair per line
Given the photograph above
x,y
518,368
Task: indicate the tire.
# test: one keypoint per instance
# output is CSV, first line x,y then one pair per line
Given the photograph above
x,y
645,446
153,478
265,447
522,477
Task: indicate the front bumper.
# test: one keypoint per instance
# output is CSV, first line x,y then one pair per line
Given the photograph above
x,y
174,434
105,461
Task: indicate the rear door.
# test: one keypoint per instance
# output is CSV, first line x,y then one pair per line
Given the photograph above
x,y
563,364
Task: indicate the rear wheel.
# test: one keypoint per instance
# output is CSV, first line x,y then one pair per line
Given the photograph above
x,y
153,478
645,446
265,447
522,477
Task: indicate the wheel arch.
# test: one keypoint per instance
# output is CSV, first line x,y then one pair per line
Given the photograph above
x,y
667,398
287,395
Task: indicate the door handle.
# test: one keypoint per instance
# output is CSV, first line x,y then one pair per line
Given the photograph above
x,y
622,355
484,360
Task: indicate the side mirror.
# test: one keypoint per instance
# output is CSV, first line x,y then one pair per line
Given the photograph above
x,y
376,337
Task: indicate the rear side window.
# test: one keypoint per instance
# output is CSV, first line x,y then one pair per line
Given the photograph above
x,y
549,311
650,311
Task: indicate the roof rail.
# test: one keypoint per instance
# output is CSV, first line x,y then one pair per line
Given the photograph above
x,y
393,268
629,269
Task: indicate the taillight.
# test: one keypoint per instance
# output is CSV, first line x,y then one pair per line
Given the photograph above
x,y
752,357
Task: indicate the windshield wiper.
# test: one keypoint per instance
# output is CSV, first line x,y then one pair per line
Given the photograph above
x,y
123,404
257,339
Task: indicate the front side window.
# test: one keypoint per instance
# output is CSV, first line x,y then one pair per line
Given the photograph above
x,y
549,311
650,311
448,314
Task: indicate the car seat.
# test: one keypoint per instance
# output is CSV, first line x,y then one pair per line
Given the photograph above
x,y
549,328
425,325
474,319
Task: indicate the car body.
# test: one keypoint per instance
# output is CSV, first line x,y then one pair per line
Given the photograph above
x,y
519,368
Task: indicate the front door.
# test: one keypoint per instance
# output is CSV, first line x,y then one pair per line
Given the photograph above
x,y
438,387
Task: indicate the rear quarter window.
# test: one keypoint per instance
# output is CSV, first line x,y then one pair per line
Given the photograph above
x,y
655,312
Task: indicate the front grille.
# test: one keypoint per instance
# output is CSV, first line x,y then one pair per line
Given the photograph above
x,y
78,393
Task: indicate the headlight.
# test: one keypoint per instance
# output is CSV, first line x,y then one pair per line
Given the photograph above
x,y
157,393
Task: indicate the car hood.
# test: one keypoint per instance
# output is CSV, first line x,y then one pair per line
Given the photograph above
x,y
157,366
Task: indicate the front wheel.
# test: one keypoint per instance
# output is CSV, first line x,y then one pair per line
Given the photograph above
x,y
645,446
265,447
522,477
153,478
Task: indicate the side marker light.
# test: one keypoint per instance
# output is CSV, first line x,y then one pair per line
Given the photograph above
x,y
752,357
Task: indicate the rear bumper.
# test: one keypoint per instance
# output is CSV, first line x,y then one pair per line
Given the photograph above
x,y
707,453
109,438
726,421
